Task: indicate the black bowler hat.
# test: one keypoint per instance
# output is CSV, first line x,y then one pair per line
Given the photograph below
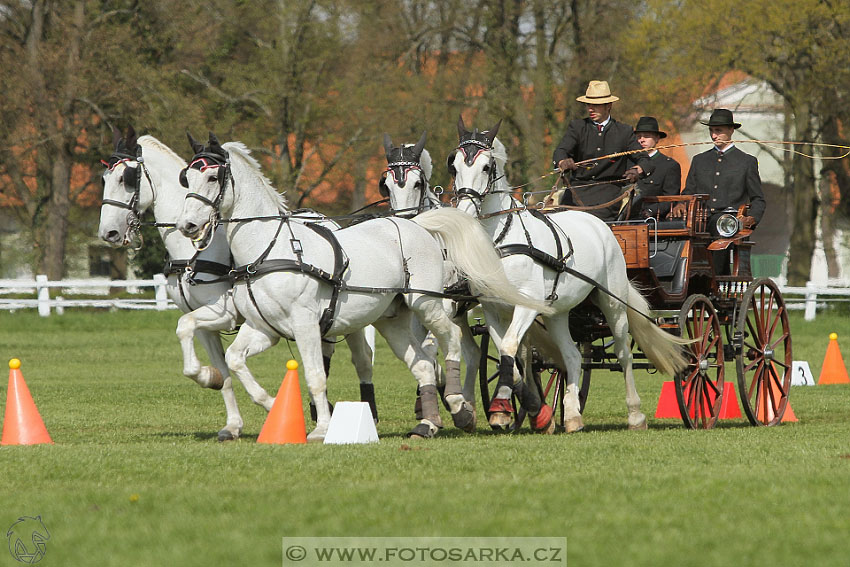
x,y
721,117
649,124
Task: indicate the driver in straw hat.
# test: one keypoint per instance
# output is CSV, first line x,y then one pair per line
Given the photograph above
x,y
592,137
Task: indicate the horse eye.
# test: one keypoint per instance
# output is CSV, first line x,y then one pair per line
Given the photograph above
x,y
212,179
487,167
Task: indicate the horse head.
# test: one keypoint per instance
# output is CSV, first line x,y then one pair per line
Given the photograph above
x,y
205,178
405,181
476,164
125,196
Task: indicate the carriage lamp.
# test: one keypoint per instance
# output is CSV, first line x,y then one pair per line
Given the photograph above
x,y
727,224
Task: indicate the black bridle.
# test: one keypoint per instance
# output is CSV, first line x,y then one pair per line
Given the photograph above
x,y
203,161
471,148
130,177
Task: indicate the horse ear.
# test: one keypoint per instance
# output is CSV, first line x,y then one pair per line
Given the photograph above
x,y
215,146
491,133
131,137
197,147
461,129
116,137
420,145
388,145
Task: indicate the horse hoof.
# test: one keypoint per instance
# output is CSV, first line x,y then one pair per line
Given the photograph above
x,y
501,420
543,422
225,435
214,380
317,436
465,418
574,424
640,425
423,430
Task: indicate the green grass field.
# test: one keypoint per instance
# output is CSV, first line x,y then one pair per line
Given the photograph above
x,y
136,476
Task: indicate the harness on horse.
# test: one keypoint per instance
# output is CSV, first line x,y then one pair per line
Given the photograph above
x,y
557,263
217,157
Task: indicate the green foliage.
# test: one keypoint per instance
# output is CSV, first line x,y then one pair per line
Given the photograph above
x,y
127,424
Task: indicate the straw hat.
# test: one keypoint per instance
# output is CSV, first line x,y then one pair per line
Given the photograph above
x,y
598,92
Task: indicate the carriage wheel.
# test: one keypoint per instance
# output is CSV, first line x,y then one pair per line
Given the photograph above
x,y
764,359
552,391
699,388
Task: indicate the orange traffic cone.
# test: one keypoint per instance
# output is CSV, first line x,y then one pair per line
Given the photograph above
x,y
285,422
833,370
22,424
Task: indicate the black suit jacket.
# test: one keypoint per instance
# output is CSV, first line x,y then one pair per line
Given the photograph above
x,y
731,180
583,141
666,179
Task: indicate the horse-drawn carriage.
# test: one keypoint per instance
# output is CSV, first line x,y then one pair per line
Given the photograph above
x,y
727,317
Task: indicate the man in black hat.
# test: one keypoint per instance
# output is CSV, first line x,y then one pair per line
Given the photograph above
x,y
667,177
729,176
593,137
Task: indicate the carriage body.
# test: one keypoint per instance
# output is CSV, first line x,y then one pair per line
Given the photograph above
x,y
729,317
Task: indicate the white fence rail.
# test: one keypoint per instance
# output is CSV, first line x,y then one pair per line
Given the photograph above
x,y
813,296
41,287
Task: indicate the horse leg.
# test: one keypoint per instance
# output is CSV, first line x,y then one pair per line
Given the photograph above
x,y
501,408
361,358
212,344
219,316
328,348
618,323
205,322
471,355
509,376
396,331
559,330
433,316
250,341
309,341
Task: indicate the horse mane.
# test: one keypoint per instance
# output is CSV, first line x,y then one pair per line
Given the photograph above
x,y
151,142
241,150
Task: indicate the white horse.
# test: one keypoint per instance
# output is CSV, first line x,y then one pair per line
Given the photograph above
x,y
539,253
406,183
143,173
300,282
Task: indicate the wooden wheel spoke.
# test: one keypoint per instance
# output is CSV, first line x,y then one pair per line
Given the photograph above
x,y
781,338
754,333
750,366
755,382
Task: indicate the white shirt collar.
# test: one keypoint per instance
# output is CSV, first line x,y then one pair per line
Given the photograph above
x,y
652,152
726,149
604,124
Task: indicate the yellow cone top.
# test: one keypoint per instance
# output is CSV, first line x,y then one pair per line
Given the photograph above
x,y
833,336
291,365
14,364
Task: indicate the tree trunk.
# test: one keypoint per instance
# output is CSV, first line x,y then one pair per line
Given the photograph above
x,y
802,244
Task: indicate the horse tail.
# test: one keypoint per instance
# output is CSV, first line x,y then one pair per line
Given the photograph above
x,y
471,251
661,348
